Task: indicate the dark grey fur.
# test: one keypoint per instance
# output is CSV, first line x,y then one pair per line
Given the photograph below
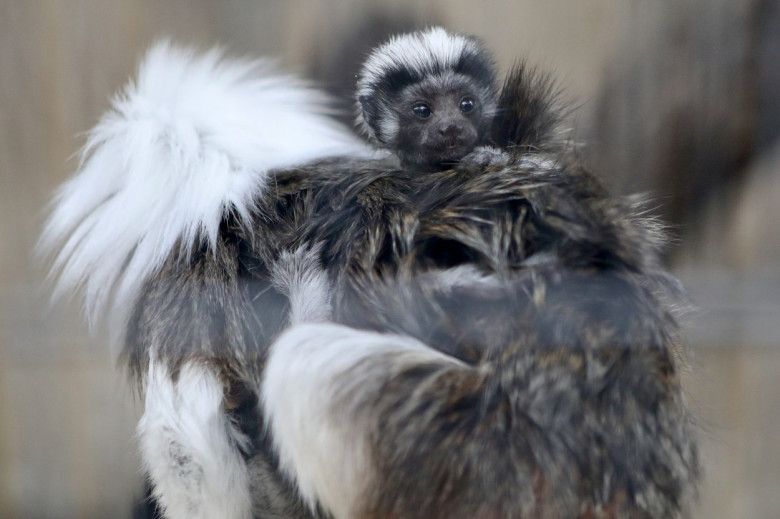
x,y
531,112
569,405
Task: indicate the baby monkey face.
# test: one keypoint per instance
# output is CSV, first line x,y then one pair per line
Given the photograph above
x,y
441,119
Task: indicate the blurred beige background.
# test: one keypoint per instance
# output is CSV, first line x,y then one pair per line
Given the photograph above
x,y
679,99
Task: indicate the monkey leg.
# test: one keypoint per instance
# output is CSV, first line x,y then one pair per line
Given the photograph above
x,y
189,446
319,382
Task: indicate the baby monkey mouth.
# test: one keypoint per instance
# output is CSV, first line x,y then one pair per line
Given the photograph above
x,y
453,151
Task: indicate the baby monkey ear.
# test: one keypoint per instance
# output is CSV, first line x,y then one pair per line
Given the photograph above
x,y
366,101
370,108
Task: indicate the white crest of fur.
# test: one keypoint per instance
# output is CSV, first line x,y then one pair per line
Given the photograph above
x,y
189,447
191,139
300,276
316,379
417,51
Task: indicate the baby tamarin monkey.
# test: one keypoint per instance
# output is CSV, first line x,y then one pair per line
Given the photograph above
x,y
430,97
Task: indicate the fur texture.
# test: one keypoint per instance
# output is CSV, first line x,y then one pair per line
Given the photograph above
x,y
559,334
312,412
502,339
531,112
191,140
299,276
190,448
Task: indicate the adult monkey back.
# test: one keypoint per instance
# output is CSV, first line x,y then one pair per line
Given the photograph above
x,y
491,342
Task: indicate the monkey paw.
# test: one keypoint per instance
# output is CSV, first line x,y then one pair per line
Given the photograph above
x,y
486,156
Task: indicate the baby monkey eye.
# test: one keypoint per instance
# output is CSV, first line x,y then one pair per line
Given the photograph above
x,y
466,105
421,110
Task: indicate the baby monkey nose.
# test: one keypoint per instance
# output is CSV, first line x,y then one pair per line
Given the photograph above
x,y
450,129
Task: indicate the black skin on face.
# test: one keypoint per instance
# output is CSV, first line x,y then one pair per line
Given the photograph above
x,y
438,127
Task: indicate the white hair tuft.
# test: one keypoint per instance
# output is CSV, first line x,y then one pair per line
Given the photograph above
x,y
192,139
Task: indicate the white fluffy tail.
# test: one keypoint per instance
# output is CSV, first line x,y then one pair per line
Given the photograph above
x,y
192,138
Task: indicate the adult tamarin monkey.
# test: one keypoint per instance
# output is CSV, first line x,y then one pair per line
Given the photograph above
x,y
341,337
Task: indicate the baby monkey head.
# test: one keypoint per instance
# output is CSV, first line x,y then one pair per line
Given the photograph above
x,y
429,96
